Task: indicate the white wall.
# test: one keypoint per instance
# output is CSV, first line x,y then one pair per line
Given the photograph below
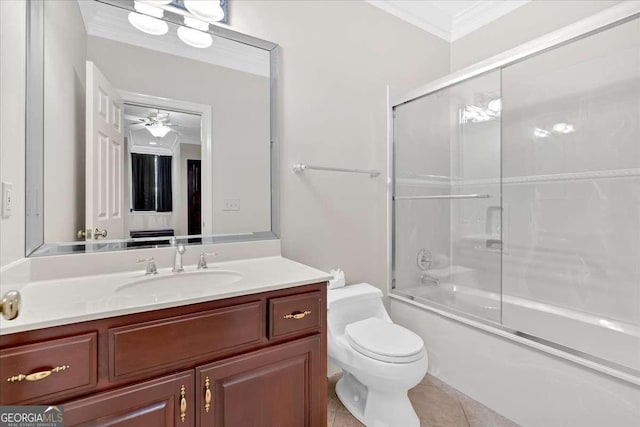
x,y
12,125
528,22
64,133
337,58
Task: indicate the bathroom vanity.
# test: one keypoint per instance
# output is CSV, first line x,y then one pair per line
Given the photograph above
x,y
251,359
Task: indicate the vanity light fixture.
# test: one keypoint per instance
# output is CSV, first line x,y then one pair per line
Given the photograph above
x,y
146,19
158,130
148,9
194,34
208,10
148,24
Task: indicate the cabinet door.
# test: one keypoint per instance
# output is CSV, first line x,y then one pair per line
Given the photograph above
x,y
167,401
282,386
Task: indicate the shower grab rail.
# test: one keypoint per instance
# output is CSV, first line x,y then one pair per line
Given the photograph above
x,y
444,196
301,167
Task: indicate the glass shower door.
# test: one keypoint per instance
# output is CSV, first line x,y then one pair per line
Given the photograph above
x,y
571,191
447,198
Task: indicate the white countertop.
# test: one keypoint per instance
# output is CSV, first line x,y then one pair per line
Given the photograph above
x,y
58,302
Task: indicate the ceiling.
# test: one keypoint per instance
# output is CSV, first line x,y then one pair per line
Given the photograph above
x,y
448,19
186,129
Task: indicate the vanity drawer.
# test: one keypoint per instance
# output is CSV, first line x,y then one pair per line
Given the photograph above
x,y
56,367
149,346
295,314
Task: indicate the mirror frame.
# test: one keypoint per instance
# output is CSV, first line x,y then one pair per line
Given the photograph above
x,y
34,159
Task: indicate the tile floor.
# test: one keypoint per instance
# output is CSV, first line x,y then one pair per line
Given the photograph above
x,y
437,405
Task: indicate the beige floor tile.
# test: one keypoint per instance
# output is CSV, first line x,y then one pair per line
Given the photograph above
x,y
436,403
437,407
343,419
433,381
479,415
331,415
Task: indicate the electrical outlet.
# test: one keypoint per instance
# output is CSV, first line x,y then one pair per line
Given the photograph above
x,y
231,204
7,199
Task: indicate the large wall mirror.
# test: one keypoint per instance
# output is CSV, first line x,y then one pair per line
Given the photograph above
x,y
146,123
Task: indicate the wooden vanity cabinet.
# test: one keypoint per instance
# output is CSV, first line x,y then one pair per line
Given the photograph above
x,y
254,360
163,402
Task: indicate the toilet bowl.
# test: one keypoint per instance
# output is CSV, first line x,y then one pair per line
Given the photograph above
x,y
380,360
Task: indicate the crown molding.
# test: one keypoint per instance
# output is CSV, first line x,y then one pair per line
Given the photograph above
x,y
480,14
439,23
450,27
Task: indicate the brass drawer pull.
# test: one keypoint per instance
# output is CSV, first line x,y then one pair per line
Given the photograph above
x,y
298,315
183,403
37,376
207,395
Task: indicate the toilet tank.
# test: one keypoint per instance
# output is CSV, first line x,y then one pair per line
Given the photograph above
x,y
352,303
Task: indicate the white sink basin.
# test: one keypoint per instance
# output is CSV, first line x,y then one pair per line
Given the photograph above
x,y
179,284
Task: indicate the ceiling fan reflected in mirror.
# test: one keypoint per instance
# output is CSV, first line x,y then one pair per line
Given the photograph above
x,y
157,123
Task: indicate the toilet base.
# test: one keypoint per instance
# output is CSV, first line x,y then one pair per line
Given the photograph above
x,y
376,408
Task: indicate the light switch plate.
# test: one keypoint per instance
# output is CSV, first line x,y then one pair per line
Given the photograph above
x,y
7,199
231,204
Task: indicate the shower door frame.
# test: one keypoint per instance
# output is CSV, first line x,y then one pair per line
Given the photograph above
x,y
594,24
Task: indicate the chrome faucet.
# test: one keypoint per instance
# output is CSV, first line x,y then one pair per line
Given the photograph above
x,y
151,265
177,260
202,263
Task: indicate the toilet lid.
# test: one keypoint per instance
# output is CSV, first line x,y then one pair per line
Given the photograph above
x,y
384,341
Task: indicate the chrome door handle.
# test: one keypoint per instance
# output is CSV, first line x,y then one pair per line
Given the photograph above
x,y
99,233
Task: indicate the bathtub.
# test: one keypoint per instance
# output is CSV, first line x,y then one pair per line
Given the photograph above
x,y
611,342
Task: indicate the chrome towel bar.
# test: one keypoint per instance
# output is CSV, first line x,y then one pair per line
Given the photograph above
x,y
444,196
301,167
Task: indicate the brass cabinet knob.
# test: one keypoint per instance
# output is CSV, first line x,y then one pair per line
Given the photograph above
x,y
10,305
81,235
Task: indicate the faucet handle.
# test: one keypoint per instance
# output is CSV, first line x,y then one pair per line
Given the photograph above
x,y
202,263
151,265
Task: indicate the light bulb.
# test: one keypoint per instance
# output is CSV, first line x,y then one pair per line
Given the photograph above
x,y
194,37
209,10
148,24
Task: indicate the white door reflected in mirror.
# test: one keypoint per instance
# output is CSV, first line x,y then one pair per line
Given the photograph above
x,y
105,157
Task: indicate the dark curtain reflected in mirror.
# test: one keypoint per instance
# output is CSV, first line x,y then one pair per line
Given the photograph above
x,y
164,202
151,182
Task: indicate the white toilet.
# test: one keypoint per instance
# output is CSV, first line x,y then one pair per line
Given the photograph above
x,y
380,360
